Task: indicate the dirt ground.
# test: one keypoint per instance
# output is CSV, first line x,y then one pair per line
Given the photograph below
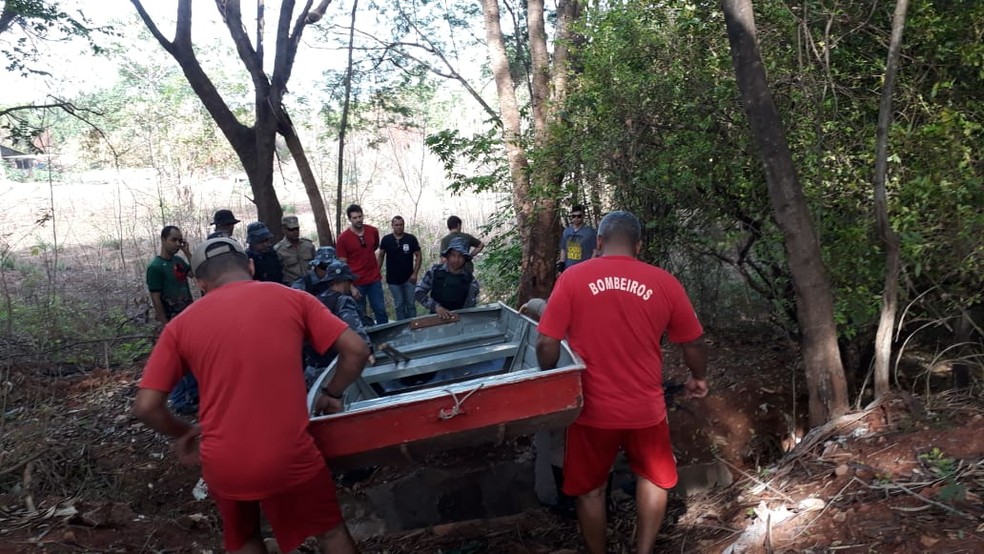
x,y
79,474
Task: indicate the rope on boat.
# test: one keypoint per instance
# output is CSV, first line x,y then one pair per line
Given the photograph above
x,y
456,409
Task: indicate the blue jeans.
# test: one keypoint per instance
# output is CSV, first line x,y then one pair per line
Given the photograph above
x,y
403,300
374,292
184,397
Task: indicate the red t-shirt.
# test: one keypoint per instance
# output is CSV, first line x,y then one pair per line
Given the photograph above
x,y
613,311
242,342
361,258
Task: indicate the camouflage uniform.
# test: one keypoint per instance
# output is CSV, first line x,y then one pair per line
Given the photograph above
x,y
266,265
293,257
310,282
441,287
344,307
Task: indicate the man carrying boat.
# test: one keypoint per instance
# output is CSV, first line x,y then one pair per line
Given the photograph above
x,y
449,286
252,440
312,280
613,310
337,297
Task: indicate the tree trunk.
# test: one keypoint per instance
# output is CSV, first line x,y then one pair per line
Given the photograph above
x,y
886,323
260,171
511,134
538,266
963,332
325,237
343,125
536,206
815,310
254,146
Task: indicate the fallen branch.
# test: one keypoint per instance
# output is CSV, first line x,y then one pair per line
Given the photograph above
x,y
756,479
905,489
824,510
22,463
28,495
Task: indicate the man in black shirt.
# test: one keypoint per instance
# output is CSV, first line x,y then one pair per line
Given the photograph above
x,y
402,254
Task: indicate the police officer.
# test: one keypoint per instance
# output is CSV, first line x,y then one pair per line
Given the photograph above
x,y
295,251
312,281
337,298
224,222
449,286
266,264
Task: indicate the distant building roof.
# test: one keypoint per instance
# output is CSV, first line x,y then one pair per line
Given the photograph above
x,y
10,152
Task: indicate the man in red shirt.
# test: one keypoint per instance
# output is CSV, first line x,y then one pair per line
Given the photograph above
x,y
242,341
613,310
357,247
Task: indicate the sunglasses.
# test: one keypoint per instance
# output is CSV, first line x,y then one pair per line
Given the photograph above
x,y
581,216
362,241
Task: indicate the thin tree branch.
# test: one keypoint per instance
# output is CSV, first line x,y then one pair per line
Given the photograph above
x,y
317,13
233,17
260,29
284,63
7,17
183,52
182,33
152,27
66,106
451,73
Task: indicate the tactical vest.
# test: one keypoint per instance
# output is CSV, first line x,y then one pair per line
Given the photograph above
x,y
314,285
330,299
451,289
311,357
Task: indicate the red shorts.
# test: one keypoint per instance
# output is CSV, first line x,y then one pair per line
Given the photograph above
x,y
591,451
302,511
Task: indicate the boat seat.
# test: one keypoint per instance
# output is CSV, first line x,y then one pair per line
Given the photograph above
x,y
437,362
444,344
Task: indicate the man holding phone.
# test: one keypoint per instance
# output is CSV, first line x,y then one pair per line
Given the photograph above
x,y
167,276
167,281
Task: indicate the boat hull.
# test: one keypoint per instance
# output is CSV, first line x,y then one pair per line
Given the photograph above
x,y
474,407
408,432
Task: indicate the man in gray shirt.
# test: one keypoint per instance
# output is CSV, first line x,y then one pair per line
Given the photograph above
x,y
579,241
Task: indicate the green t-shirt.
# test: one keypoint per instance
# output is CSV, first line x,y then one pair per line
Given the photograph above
x,y
170,278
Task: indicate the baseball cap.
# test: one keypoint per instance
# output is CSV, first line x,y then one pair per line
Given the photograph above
x,y
290,222
214,247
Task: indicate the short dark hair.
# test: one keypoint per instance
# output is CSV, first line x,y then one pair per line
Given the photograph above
x,y
454,222
577,208
166,231
395,217
213,268
353,208
620,226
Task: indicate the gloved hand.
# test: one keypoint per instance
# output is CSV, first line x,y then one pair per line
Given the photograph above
x,y
560,267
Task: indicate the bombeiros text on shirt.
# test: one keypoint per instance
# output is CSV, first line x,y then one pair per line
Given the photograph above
x,y
620,284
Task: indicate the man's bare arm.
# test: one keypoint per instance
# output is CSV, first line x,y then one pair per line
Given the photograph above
x,y
695,358
353,353
159,312
150,407
477,249
547,352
